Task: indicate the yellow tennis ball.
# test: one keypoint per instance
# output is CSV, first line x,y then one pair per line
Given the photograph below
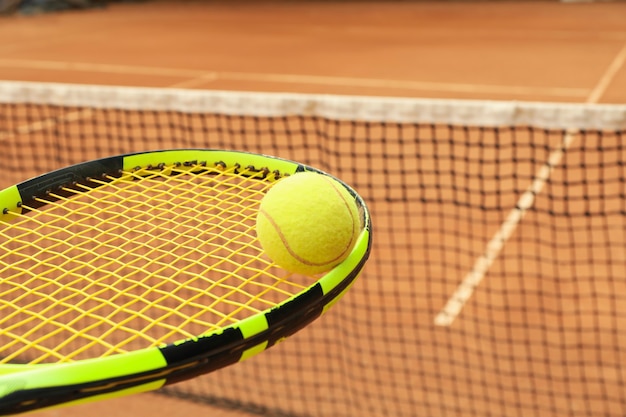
x,y
308,223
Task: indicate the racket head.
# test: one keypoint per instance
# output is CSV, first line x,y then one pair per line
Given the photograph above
x,y
53,379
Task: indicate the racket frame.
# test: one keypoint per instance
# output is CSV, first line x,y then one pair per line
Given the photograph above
x,y
29,387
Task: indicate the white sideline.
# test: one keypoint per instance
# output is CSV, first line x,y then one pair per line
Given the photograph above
x,y
465,290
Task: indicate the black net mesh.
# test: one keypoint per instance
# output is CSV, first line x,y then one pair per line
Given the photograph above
x,y
544,333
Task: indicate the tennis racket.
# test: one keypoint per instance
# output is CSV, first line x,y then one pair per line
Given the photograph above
x,y
124,274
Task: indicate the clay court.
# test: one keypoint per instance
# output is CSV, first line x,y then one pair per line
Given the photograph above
x,y
544,334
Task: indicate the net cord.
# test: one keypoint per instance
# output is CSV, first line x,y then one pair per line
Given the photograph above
x,y
485,113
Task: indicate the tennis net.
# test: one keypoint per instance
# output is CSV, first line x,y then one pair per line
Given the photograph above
x,y
497,282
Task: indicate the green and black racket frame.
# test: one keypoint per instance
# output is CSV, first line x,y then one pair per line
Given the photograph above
x,y
128,273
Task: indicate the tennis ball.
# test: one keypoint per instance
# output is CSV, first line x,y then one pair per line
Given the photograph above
x,y
308,223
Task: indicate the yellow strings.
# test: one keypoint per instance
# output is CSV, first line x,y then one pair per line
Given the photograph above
x,y
151,257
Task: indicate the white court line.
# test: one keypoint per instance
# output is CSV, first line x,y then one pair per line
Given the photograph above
x,y
198,77
403,84
103,68
195,82
465,290
607,77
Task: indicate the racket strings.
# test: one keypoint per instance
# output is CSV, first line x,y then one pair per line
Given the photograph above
x,y
149,257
